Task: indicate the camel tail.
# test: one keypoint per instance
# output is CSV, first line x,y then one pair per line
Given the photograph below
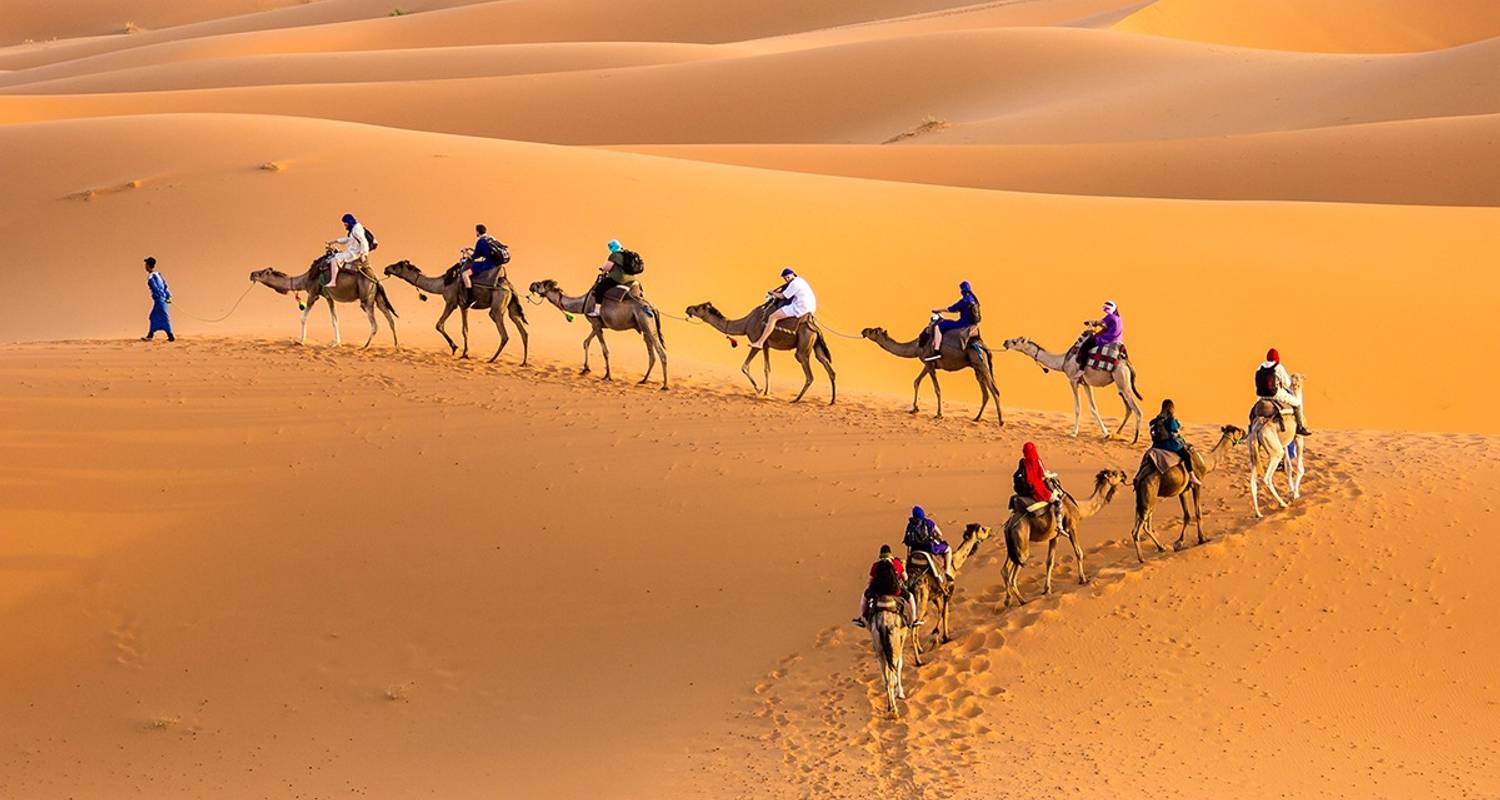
x,y
1133,390
516,307
821,346
384,300
1013,546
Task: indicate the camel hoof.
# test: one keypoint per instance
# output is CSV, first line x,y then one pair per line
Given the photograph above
x,y
664,388
584,371
1083,580
1177,546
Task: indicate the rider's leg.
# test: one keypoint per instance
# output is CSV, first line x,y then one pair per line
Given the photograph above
x,y
777,315
1187,464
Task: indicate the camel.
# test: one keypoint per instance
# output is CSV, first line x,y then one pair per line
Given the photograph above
x,y
953,356
1151,484
617,314
1271,442
928,591
1023,528
350,287
1123,377
498,296
806,340
888,634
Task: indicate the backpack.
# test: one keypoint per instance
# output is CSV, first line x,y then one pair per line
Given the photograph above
x,y
370,239
1022,486
1265,382
631,262
974,312
884,582
499,253
1158,430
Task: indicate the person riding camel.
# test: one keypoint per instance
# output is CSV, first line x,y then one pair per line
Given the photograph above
x,y
622,268
887,579
1166,434
967,309
1108,329
924,536
1034,481
800,302
488,253
1273,382
356,244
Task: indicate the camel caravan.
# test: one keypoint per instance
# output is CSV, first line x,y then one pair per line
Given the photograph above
x,y
901,595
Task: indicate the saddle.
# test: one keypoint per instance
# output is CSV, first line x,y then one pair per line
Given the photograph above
x,y
967,336
886,603
457,270
1163,460
1271,408
1027,505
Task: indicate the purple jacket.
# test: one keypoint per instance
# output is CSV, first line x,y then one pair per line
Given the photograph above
x,y
1111,331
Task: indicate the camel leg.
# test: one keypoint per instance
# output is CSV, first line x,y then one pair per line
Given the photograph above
x,y
833,382
390,319
369,307
1150,531
945,602
916,389
604,348
498,318
1254,482
765,355
463,318
442,329
1187,519
1198,515
1094,407
334,315
802,358
661,352
1051,561
306,309
516,316
745,368
1135,535
1129,411
1077,407
650,357
593,333
937,390
1083,577
1278,452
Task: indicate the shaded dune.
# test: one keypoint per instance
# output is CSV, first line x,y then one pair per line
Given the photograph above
x,y
1336,26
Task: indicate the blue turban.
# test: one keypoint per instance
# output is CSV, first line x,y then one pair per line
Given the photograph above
x,y
918,512
615,246
963,286
787,273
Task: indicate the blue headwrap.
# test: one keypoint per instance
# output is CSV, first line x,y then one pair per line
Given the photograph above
x,y
918,512
963,286
348,220
615,246
787,273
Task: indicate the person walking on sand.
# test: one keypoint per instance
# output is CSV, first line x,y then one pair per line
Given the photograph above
x,y
161,297
800,302
356,246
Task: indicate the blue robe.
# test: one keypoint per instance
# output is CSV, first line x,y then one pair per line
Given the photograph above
x,y
160,294
965,310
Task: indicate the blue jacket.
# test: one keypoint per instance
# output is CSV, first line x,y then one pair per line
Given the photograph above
x,y
1171,427
158,286
964,308
485,256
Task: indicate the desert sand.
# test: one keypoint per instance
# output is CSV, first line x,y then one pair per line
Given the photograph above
x,y
238,567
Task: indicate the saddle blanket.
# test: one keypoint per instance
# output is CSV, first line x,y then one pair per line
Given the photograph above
x,y
1107,356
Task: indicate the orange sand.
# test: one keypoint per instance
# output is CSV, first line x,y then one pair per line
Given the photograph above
x,y
238,568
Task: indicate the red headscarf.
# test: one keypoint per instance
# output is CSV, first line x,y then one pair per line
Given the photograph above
x,y
1273,356
1036,473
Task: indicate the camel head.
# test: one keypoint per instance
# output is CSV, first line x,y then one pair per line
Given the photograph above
x,y
1017,343
1297,381
977,532
704,310
402,267
1233,434
543,287
268,275
1110,480
871,333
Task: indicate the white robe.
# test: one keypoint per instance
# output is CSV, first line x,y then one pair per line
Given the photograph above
x,y
355,246
799,295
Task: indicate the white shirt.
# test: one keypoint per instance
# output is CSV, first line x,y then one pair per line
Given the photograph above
x,y
355,244
800,295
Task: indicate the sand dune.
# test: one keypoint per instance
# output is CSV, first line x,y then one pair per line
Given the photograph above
x,y
236,567
1337,26
422,193
1008,86
371,66
1451,161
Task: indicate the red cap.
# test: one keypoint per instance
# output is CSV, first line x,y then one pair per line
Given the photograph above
x,y
1272,355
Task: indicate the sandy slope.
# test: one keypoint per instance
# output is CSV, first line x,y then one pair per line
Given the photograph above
x,y
1339,26
1441,161
1035,85
426,192
490,600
